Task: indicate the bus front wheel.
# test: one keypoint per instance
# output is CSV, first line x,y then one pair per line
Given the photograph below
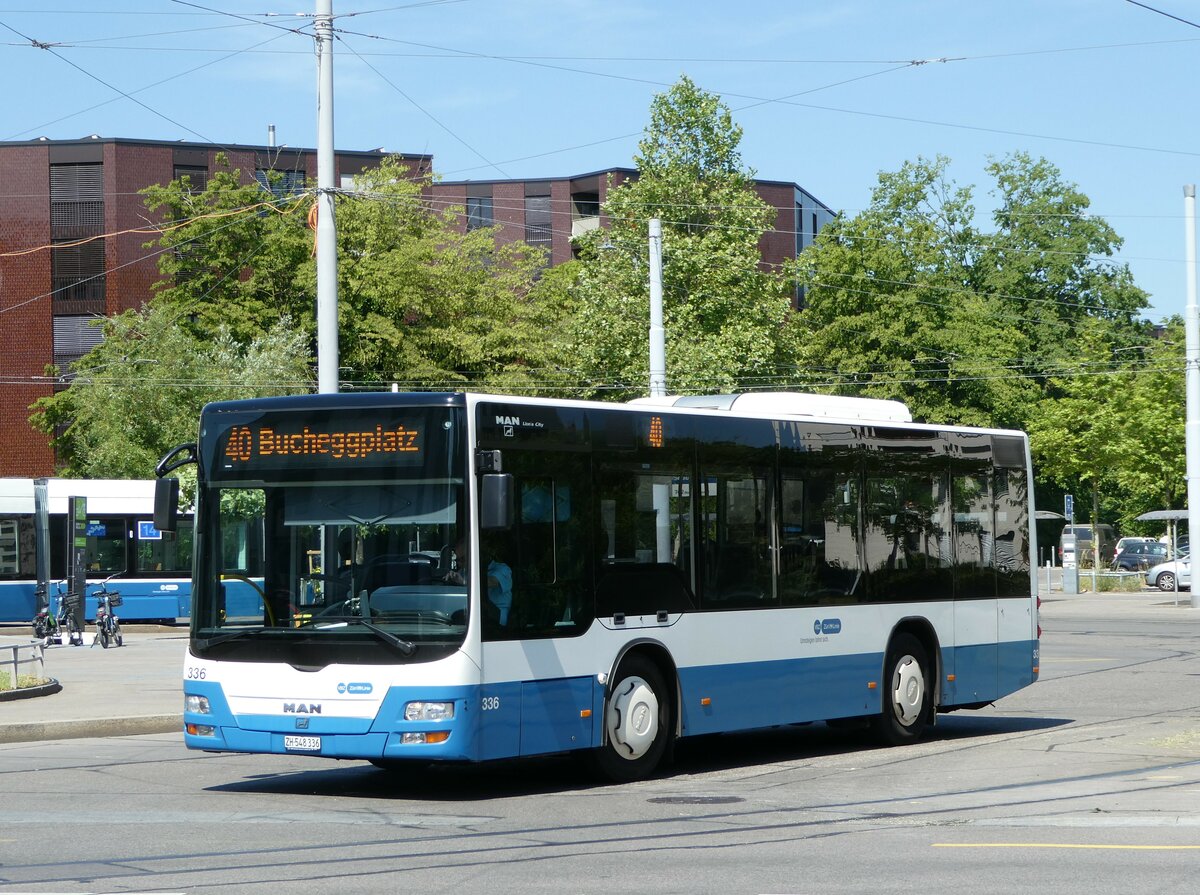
x,y
637,722
907,692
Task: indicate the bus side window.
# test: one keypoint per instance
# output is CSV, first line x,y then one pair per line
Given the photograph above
x,y
645,539
545,552
735,509
818,553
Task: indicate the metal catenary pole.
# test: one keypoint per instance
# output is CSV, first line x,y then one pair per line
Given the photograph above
x,y
1191,319
327,295
658,348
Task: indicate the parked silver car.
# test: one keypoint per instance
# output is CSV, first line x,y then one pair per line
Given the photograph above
x,y
1165,575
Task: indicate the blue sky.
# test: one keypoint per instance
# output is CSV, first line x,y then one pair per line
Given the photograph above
x,y
525,88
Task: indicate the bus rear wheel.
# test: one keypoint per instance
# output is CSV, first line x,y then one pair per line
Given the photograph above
x,y
637,722
907,692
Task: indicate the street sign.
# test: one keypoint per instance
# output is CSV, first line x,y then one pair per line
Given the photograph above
x,y
1069,506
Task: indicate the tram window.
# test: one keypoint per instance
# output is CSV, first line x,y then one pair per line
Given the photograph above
x,y
17,558
159,555
106,540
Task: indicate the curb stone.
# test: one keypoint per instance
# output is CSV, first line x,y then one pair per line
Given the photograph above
x,y
47,689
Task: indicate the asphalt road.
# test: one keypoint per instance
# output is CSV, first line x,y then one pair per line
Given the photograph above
x,y
1088,781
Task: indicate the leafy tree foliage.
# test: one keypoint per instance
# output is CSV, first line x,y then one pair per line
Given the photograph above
x,y
139,393
725,316
419,302
1117,427
424,304
912,299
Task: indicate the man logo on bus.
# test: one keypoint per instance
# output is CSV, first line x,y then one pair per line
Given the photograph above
x,y
302,708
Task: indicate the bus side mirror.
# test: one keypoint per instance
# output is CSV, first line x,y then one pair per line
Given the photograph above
x,y
495,501
166,504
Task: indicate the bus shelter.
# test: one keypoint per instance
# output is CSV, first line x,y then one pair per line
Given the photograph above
x,y
1171,517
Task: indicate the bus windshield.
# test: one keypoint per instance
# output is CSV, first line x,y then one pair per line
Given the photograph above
x,y
359,560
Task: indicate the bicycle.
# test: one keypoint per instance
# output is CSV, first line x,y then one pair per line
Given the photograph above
x,y
108,626
49,628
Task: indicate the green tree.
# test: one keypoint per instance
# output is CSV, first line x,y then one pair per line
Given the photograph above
x,y
1116,427
139,392
911,299
425,304
725,316
419,301
232,256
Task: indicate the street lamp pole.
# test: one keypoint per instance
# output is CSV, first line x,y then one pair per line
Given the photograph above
x,y
658,348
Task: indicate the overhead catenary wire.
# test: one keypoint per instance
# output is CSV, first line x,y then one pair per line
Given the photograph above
x,y
158,83
420,108
51,50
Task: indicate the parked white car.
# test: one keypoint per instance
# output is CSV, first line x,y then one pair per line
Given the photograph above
x,y
1164,575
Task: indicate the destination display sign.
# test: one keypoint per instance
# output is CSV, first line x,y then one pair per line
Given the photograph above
x,y
244,444
253,446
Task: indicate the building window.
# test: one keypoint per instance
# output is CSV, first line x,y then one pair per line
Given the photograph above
x,y
76,201
539,231
280,184
197,176
77,274
585,213
74,337
76,214
479,212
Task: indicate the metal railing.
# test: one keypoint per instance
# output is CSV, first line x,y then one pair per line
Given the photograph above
x,y
13,661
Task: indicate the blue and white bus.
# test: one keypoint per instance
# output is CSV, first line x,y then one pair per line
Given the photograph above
x,y
154,572
466,577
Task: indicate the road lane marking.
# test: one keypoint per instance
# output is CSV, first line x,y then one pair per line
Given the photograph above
x,y
1065,845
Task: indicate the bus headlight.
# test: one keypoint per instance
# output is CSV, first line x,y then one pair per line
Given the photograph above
x,y
429,711
198,704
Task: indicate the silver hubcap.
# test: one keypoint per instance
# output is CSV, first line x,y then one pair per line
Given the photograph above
x,y
632,718
908,690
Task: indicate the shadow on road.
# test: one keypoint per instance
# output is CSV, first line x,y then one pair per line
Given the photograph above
x,y
516,778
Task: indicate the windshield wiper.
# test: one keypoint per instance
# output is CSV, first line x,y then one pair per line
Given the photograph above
x,y
406,647
231,635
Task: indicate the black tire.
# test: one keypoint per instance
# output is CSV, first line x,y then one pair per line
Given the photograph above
x,y
907,692
637,722
117,635
39,628
102,636
1166,581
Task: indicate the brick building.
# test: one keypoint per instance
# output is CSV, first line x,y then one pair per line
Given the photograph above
x,y
63,191
550,212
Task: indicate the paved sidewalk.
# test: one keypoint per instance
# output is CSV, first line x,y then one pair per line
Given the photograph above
x,y
134,689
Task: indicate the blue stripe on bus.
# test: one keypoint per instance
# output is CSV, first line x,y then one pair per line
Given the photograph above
x,y
536,717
